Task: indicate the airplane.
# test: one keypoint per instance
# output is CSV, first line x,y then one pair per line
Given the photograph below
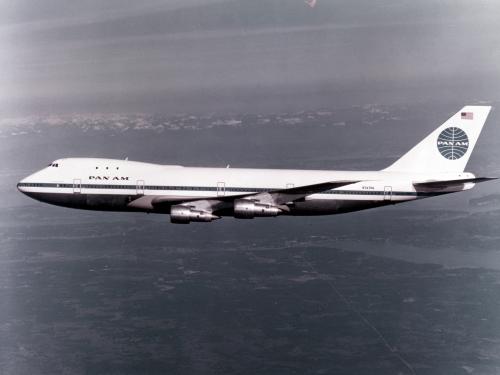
x,y
435,166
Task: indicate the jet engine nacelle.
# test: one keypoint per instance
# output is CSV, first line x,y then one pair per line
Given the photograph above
x,y
185,215
248,209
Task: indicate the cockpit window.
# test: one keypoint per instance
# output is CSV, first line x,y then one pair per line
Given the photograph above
x,y
54,165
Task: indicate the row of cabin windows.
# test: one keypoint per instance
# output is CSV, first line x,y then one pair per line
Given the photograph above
x,y
57,165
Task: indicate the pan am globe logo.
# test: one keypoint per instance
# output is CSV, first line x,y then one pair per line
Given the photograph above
x,y
453,143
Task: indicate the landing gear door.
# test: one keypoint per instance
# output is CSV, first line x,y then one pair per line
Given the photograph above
x,y
140,187
77,186
387,193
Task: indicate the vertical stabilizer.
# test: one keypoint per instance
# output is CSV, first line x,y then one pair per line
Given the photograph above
x,y
448,148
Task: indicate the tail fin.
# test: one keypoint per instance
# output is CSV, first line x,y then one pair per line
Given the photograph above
x,y
448,148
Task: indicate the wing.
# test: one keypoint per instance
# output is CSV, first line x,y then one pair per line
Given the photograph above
x,y
282,196
273,197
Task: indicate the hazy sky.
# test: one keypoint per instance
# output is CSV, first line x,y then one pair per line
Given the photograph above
x,y
243,55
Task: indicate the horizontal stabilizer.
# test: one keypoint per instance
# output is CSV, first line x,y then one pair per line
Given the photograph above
x,y
451,183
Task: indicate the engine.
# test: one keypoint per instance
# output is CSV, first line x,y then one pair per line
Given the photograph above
x,y
248,209
184,215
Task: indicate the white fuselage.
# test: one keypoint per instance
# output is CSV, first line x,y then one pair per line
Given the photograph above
x,y
122,185
433,167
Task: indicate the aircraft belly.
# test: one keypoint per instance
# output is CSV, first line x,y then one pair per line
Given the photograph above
x,y
104,202
333,206
122,202
108,202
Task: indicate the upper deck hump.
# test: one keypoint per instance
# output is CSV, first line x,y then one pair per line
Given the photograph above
x,y
103,162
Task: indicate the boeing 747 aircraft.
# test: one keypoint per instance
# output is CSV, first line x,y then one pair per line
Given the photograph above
x,y
435,166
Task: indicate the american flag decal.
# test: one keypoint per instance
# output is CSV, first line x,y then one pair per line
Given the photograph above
x,y
467,116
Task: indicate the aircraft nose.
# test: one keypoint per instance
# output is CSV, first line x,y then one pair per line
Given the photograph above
x,y
26,182
22,185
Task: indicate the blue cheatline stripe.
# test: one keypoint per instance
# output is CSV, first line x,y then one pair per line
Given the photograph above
x,y
227,189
